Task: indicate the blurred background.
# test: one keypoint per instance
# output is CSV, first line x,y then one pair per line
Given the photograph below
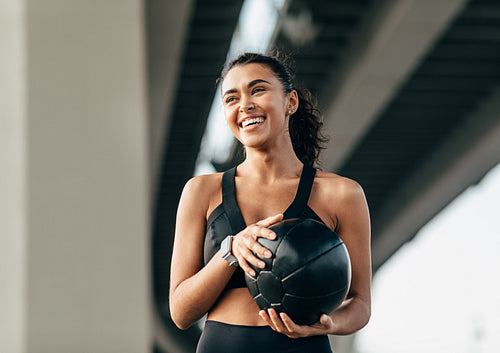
x,y
108,107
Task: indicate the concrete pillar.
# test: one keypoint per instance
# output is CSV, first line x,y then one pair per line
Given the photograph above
x,y
77,193
13,217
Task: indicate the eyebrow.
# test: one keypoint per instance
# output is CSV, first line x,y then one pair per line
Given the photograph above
x,y
250,84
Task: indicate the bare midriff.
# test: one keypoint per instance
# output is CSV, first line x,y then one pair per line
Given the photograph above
x,y
236,307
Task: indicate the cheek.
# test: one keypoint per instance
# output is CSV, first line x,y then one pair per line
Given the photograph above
x,y
231,117
275,106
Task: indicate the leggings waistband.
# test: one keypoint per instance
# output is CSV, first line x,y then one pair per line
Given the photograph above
x,y
218,337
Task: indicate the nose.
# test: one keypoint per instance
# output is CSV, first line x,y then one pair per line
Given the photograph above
x,y
246,105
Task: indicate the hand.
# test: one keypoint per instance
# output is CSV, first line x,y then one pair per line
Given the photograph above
x,y
282,323
245,244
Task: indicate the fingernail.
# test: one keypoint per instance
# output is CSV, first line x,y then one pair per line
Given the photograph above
x,y
272,236
268,254
252,273
262,264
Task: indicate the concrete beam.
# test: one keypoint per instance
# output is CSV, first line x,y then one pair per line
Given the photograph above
x,y
386,50
461,161
13,191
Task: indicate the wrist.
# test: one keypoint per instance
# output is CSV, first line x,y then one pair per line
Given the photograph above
x,y
226,251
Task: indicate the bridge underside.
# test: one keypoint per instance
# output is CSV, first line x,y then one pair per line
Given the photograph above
x,y
409,91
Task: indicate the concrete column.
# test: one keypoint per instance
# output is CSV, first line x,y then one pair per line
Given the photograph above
x,y
13,217
77,192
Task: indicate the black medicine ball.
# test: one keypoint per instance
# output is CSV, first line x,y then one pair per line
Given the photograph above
x,y
308,275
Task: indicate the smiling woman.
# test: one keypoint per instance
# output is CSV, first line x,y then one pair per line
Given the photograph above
x,y
304,127
257,105
221,216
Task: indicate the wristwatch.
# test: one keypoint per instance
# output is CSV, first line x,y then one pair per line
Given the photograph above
x,y
225,251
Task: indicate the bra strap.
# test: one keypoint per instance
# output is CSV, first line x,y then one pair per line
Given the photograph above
x,y
303,193
229,201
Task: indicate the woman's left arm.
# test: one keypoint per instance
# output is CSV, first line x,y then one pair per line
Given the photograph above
x,y
354,229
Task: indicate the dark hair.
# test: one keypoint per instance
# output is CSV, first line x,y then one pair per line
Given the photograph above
x,y
305,124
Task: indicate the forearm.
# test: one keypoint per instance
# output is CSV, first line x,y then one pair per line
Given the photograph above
x,y
351,316
192,298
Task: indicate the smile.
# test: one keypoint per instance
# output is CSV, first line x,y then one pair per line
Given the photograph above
x,y
252,121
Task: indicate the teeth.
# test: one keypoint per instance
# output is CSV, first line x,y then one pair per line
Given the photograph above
x,y
252,121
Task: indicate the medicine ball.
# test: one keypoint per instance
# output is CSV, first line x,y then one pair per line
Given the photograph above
x,y
308,275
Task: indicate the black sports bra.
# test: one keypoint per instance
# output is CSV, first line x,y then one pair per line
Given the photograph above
x,y
226,219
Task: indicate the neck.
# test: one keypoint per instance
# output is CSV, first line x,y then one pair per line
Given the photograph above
x,y
271,165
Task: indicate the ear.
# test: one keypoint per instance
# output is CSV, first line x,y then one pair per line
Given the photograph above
x,y
293,101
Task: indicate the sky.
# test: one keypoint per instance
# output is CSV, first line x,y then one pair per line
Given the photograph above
x,y
440,292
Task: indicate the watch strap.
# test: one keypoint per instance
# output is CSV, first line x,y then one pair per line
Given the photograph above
x,y
226,251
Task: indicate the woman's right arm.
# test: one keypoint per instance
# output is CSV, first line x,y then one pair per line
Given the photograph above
x,y
194,288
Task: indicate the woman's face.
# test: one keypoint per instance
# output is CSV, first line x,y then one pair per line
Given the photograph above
x,y
255,105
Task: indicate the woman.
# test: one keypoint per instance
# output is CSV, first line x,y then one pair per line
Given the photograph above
x,y
220,216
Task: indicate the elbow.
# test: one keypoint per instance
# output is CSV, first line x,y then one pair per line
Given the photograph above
x,y
360,316
183,317
177,315
181,325
365,316
180,318
184,310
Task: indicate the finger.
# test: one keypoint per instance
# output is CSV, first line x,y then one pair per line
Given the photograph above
x,y
253,260
258,249
267,222
326,321
239,253
323,326
259,231
247,240
248,250
289,323
245,266
263,314
277,323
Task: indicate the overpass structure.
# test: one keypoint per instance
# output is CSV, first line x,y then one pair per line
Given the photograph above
x,y
103,106
409,91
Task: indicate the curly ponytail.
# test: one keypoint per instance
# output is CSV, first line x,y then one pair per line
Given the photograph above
x,y
305,124
305,130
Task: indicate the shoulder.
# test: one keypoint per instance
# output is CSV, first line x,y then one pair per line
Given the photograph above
x,y
201,191
343,199
340,196
342,188
204,183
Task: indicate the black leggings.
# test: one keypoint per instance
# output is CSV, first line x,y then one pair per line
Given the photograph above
x,y
218,337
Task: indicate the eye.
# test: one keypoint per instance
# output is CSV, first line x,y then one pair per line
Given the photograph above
x,y
229,100
258,89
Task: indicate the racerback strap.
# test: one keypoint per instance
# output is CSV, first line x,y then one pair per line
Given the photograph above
x,y
229,201
303,193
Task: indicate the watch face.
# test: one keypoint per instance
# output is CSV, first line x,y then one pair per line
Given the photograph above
x,y
224,247
225,251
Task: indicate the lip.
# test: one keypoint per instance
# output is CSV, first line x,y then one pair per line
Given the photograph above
x,y
248,117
